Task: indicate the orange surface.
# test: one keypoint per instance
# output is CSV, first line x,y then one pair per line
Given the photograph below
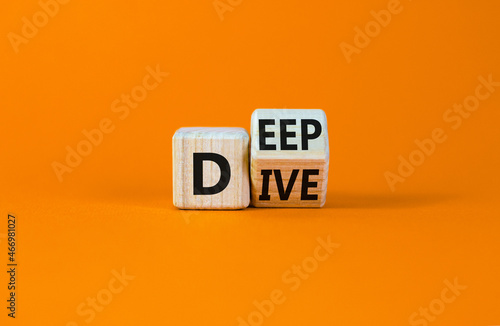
x,y
113,212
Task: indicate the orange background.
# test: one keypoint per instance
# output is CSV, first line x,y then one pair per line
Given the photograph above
x,y
115,209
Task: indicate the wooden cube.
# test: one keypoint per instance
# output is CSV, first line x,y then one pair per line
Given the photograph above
x,y
289,158
210,168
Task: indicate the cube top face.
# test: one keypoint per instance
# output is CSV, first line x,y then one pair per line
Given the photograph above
x,y
211,133
210,168
289,158
280,133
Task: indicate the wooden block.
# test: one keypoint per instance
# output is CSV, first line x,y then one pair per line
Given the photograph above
x,y
210,168
289,158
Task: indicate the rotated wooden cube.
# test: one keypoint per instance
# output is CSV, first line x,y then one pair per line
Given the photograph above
x,y
289,158
210,168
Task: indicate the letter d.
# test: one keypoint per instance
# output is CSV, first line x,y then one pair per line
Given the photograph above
x,y
72,159
225,173
405,169
361,40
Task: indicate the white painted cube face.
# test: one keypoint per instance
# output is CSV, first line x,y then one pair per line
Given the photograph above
x,y
210,168
289,131
289,157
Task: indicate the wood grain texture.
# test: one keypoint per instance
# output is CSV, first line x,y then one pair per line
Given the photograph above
x,y
232,143
315,157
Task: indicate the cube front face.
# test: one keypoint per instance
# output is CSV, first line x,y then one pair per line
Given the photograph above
x,y
289,158
210,168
